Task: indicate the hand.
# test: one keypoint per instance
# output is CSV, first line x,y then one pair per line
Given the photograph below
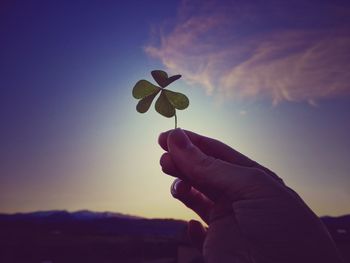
x,y
252,216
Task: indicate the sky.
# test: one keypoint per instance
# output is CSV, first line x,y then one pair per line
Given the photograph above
x,y
269,78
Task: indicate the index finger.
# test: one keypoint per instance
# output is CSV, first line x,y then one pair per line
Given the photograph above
x,y
212,148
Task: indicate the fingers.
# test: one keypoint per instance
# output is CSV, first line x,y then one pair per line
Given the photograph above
x,y
196,233
192,198
218,150
211,147
168,166
213,177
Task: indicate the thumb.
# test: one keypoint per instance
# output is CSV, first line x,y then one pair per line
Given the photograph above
x,y
212,176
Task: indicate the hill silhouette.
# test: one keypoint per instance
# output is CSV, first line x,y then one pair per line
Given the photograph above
x,y
86,236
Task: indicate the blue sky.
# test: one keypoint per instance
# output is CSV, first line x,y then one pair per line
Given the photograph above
x,y
271,80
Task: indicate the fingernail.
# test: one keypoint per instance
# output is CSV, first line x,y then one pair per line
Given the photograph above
x,y
180,188
174,187
180,139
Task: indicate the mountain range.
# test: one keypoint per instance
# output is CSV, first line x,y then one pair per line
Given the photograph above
x,y
88,222
87,236
113,223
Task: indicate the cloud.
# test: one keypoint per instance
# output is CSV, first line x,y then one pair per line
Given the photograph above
x,y
246,50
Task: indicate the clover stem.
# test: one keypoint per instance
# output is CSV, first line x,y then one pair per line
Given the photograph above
x,y
175,120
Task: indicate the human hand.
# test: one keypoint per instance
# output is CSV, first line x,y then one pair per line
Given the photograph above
x,y
252,215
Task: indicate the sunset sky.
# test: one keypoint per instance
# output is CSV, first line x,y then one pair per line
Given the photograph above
x,y
270,78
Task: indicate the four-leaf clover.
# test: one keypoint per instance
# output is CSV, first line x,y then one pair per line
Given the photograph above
x,y
167,102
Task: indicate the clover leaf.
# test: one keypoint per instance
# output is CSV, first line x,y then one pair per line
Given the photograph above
x,y
168,101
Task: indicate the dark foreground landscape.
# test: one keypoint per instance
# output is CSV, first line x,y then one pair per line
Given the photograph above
x,y
84,236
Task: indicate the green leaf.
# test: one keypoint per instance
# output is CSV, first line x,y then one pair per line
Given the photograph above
x,y
144,104
164,107
173,78
144,88
177,99
161,77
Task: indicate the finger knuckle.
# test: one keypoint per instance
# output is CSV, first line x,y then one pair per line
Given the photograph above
x,y
202,166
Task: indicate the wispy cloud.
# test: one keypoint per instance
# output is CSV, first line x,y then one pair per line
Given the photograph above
x,y
243,49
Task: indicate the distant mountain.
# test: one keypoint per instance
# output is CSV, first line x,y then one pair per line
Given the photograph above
x,y
109,223
86,215
85,222
86,236
63,214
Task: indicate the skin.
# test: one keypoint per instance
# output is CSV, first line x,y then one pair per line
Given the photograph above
x,y
252,216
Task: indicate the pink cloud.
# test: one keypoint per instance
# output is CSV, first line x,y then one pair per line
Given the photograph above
x,y
237,52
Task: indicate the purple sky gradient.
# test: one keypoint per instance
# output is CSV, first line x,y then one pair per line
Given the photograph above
x,y
276,74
